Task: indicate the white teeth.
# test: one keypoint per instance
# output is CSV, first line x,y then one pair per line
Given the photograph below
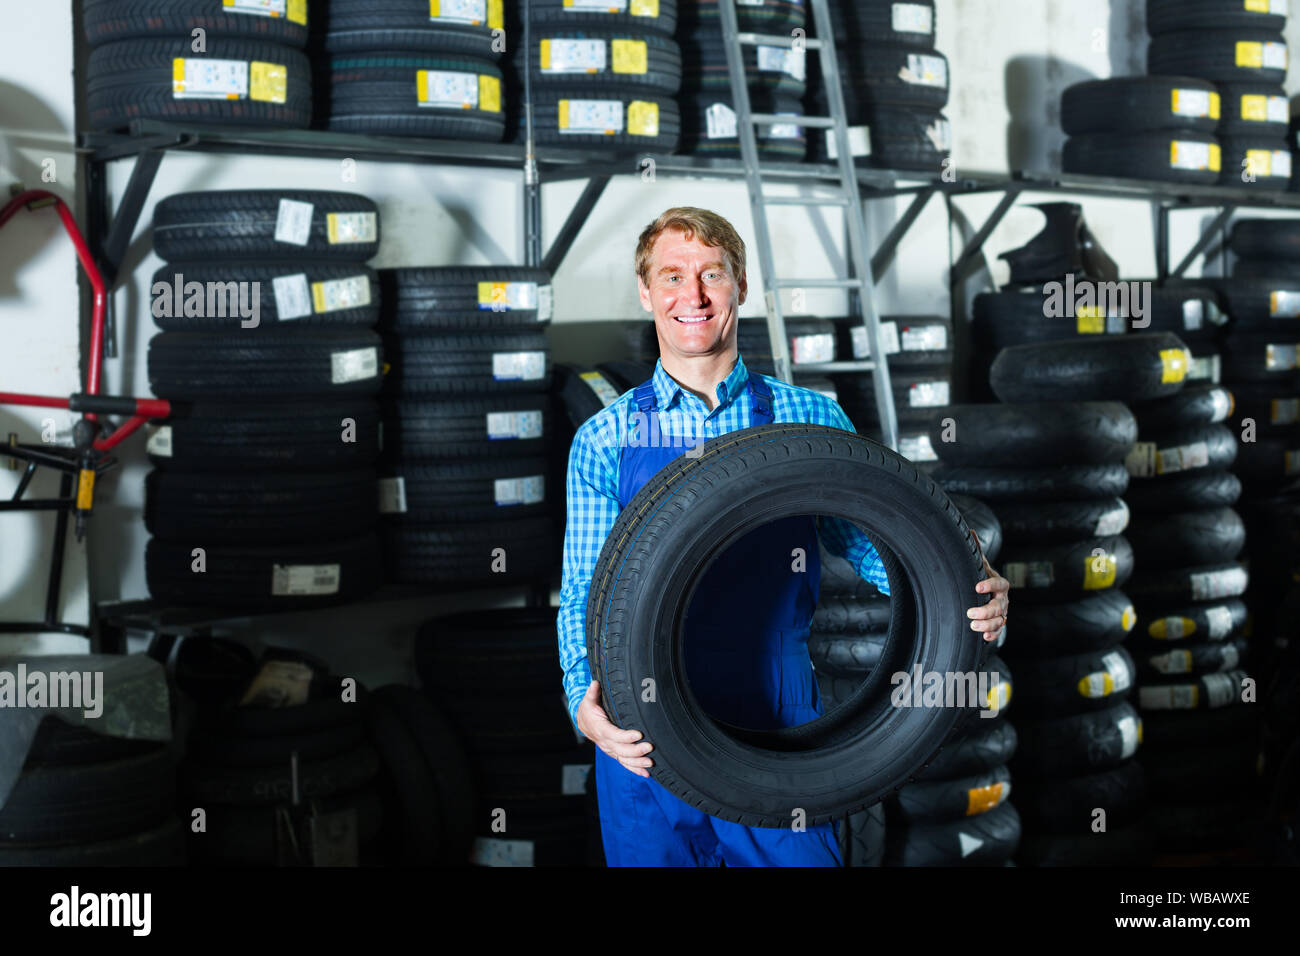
x,y
692,318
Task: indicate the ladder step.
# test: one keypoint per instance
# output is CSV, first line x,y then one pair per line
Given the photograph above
x,y
776,39
805,201
818,284
777,119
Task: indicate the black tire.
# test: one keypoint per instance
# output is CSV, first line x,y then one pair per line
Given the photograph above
x,y
1073,684
908,137
380,93
1183,451
302,293
89,802
244,576
268,509
1208,620
1081,743
1128,368
626,375
286,436
1003,319
1140,104
1271,359
1266,239
1130,846
709,126
717,772
471,426
1187,537
1176,157
922,339
453,298
1255,161
1188,728
1068,804
936,801
1157,660
1069,483
446,492
1056,572
106,21
455,363
1180,585
242,224
1272,461
511,649
1194,405
1190,312
366,25
1171,16
979,517
844,615
1091,624
919,396
1207,691
1270,407
881,21
771,70
862,837
1254,109
647,122
880,73
261,786
1073,433
1221,55
987,744
1062,521
414,832
634,61
582,392
468,553
163,846
661,16
1191,491
134,80
226,750
988,839
59,744
762,17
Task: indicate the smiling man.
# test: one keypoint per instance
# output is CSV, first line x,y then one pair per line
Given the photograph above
x,y
747,628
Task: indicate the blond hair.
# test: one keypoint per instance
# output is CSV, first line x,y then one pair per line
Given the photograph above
x,y
702,224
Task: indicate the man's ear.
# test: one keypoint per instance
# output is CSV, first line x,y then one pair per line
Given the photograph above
x,y
744,288
644,292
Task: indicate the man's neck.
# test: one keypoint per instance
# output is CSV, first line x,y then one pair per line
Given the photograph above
x,y
700,375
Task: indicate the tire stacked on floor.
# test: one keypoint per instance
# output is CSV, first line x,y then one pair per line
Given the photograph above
x,y
1240,48
263,490
251,70
847,634
1189,645
493,673
85,799
895,86
776,75
410,68
603,76
468,426
1063,518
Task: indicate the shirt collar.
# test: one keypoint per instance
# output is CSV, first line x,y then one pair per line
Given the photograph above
x,y
667,390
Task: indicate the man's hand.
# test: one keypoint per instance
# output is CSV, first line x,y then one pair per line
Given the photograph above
x,y
990,618
622,745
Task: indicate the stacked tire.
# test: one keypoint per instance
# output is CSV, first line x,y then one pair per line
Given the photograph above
x,y
920,355
85,799
197,62
493,673
602,76
468,426
895,85
776,79
1239,48
263,493
408,68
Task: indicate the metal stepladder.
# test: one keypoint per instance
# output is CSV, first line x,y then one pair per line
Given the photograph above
x,y
845,196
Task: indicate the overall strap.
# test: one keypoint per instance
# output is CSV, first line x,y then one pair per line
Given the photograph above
x,y
760,395
645,395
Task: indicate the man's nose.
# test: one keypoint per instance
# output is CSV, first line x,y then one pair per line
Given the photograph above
x,y
694,291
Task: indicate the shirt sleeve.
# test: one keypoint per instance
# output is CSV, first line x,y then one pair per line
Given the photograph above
x,y
844,538
592,506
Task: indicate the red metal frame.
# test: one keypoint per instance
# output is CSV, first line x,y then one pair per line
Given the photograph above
x,y
144,408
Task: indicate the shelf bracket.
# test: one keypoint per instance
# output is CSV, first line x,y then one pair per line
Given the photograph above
x,y
1207,237
574,222
969,255
884,256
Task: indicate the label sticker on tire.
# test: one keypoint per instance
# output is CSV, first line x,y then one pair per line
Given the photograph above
x,y
473,12
1184,154
1204,369
1221,689
720,121
1182,458
806,349
544,302
392,495
1115,678
1098,571
503,296
268,82
348,227
1218,621
911,18
927,395
519,491
628,56
260,8
1128,736
590,116
492,851
1284,411
205,79
1113,521
1257,108
1169,696
518,366
923,70
350,293
514,425
598,384
927,338
571,56
354,365
1222,401
1141,460
446,89
1172,628
1280,358
1030,574
643,118
1276,7
304,580
1171,662
293,222
640,8
292,296
1209,585
779,59
160,441
916,448
596,6
1173,365
1198,103
889,339
573,778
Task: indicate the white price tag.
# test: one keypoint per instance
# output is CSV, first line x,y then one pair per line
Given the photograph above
x,y
292,296
446,89
572,56
392,496
518,366
458,11
859,142
591,116
1191,102
1113,521
1209,585
347,227
808,349
354,365
1184,154
925,70
160,441
492,851
573,779
720,122
337,294
927,395
518,491
293,222
263,8
925,338
198,78
304,580
514,424
912,18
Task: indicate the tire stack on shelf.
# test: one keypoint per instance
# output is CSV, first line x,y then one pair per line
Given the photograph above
x,y
776,79
895,85
467,414
494,674
264,490
249,71
604,76
1239,47
1186,540
1060,506
413,68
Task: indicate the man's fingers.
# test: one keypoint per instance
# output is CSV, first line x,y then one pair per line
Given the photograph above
x,y
620,749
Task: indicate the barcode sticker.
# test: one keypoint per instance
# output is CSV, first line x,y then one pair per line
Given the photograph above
x,y
292,296
493,851
1128,736
160,441
518,491
304,580
925,70
392,495
354,365
911,18
349,227
514,425
293,222
209,79
338,294
518,366
573,778
720,121
446,89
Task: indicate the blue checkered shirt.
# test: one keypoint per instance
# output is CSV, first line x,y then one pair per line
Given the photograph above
x,y
592,490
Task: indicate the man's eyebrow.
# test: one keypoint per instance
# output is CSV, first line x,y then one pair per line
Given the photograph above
x,y
708,265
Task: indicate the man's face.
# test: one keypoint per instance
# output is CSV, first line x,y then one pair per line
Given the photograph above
x,y
693,295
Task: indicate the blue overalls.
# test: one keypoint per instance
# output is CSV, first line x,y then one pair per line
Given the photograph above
x,y
746,650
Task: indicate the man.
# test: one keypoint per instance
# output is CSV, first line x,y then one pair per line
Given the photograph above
x,y
690,266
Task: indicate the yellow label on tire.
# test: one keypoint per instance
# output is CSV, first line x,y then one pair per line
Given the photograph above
x,y
1173,365
544,54
298,11
1128,619
496,20
1259,162
489,93
1216,157
1177,627
1215,106
643,118
628,56
268,82
644,8
1254,108
1091,320
1257,6
983,799
1098,571
1139,730
562,115
85,489
1250,54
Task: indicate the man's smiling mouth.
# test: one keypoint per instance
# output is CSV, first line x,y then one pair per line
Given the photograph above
x,y
692,319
